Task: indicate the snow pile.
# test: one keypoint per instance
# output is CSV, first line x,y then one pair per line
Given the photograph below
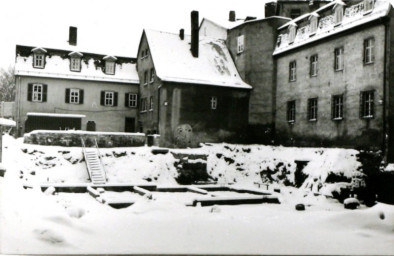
x,y
7,122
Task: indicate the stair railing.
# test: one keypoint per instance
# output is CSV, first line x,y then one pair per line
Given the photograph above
x,y
84,155
99,156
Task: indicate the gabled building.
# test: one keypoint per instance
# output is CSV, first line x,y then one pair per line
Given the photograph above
x,y
71,88
293,8
190,89
335,73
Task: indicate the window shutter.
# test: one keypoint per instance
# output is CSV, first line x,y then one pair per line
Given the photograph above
x,y
102,98
361,105
44,92
67,95
80,96
364,49
126,100
115,99
373,50
29,92
373,104
332,108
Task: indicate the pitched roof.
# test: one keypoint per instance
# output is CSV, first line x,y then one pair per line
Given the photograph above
x,y
174,62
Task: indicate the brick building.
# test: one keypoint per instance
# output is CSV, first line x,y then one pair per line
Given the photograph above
x,y
190,89
334,77
71,88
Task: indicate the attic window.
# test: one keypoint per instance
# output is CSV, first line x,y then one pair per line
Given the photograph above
x,y
75,61
109,65
338,14
38,57
292,33
368,5
313,25
240,43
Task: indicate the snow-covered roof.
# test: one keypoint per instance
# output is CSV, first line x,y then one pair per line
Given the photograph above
x,y
54,114
174,62
7,122
57,66
354,15
225,23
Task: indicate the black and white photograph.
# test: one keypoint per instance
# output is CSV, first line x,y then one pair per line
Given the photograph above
x,y
201,127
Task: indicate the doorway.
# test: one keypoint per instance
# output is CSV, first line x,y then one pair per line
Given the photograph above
x,y
129,124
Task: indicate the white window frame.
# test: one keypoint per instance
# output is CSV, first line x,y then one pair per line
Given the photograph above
x,y
240,43
133,100
75,64
313,25
37,92
38,60
369,46
75,96
109,98
214,102
314,64
339,58
291,111
292,33
367,104
337,101
110,67
151,103
293,71
312,109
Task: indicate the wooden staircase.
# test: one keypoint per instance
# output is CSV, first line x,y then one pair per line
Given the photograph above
x,y
94,165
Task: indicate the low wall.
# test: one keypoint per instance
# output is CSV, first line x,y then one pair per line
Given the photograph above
x,y
73,138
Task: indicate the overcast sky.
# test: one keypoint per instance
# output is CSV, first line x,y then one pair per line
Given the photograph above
x,y
115,25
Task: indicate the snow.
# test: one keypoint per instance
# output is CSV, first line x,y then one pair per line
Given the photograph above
x,y
327,27
55,115
79,131
75,223
214,65
57,67
7,122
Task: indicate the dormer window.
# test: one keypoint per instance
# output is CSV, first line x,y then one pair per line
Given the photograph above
x,y
338,13
75,61
109,65
292,33
39,57
313,24
368,5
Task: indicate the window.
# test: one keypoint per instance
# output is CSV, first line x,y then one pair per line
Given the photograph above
x,y
144,105
109,98
38,60
240,44
131,100
294,13
109,67
369,50
214,102
337,107
74,96
367,104
338,61
151,103
313,65
75,64
152,75
291,111
146,77
338,15
37,92
368,5
312,109
292,33
144,54
292,71
313,25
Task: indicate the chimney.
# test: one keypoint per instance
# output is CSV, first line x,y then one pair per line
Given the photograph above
x,y
182,34
270,9
195,36
231,16
72,36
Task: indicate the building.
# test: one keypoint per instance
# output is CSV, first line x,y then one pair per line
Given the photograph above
x,y
190,89
71,88
293,8
335,77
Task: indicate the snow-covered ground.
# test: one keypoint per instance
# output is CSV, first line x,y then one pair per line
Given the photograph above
x,y
75,223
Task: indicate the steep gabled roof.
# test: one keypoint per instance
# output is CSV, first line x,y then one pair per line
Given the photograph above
x,y
174,62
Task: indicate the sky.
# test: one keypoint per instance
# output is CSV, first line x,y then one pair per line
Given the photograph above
x,y
104,26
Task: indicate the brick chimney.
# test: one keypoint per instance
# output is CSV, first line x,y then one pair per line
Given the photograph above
x,y
231,16
182,34
72,36
195,36
270,9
